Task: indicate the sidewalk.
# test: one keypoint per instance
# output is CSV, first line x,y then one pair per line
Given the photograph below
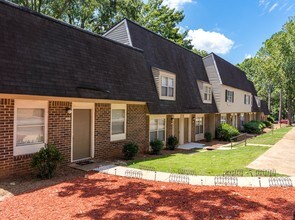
x,y
193,180
280,157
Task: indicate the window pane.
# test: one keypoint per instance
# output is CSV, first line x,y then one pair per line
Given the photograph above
x,y
201,129
153,125
161,135
164,81
164,91
153,135
30,116
161,123
171,91
170,82
118,121
30,135
205,96
197,130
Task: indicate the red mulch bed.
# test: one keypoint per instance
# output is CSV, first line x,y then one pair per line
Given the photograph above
x,y
108,197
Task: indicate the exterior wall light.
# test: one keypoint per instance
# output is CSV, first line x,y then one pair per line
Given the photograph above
x,y
69,110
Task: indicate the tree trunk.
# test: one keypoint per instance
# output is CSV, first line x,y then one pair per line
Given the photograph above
x,y
280,108
269,96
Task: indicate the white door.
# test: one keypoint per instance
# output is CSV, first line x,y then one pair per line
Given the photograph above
x,y
200,122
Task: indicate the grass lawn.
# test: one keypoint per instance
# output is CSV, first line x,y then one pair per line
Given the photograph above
x,y
213,162
270,138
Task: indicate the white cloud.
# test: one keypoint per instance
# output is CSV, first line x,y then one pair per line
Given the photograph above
x,y
248,56
290,7
210,41
177,4
273,7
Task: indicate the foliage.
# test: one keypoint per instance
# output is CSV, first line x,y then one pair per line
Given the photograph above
x,y
273,69
208,136
226,131
254,127
172,142
100,16
130,150
270,119
267,124
46,161
157,146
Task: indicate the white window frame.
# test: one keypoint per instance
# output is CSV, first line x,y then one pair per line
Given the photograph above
x,y
208,93
198,125
230,96
118,137
221,120
247,99
168,76
153,117
29,104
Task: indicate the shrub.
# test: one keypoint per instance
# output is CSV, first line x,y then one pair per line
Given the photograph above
x,y
270,119
46,161
254,127
172,142
130,150
208,136
267,124
225,132
156,146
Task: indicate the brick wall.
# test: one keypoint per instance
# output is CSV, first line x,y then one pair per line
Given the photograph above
x,y
169,126
193,128
136,132
59,127
6,136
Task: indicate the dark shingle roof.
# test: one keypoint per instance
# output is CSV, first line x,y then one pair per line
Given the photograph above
x,y
231,75
264,108
42,56
187,66
255,107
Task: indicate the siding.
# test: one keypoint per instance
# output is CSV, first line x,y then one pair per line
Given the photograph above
x,y
214,78
119,33
156,75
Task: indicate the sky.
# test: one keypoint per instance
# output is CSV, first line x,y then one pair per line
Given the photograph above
x,y
233,29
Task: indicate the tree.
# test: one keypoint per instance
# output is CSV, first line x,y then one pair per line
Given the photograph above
x,y
99,16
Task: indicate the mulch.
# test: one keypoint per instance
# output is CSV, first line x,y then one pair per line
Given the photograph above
x,y
101,196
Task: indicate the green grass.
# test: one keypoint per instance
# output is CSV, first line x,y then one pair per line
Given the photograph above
x,y
213,162
270,138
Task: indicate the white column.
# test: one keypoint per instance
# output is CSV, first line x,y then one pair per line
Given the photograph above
x,y
181,129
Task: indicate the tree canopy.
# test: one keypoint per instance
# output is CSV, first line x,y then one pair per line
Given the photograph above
x,y
273,68
100,15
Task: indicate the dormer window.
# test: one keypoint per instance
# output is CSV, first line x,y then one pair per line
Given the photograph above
x,y
207,93
247,99
167,87
258,101
229,96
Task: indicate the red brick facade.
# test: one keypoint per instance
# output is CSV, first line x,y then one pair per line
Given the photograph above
x,y
59,133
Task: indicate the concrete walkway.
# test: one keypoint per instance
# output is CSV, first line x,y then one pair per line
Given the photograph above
x,y
280,157
192,180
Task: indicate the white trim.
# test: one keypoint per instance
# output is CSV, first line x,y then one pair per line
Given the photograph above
x,y
154,117
164,73
203,93
29,149
200,136
128,33
117,137
83,105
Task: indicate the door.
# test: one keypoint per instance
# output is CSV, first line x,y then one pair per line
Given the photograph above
x,y
81,134
176,128
186,130
199,128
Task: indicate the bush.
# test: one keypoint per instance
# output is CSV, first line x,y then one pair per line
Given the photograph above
x,y
225,132
208,136
157,146
267,124
130,150
254,127
270,119
46,161
172,142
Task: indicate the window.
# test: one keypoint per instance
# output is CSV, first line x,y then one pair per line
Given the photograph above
x,y
229,96
199,125
30,126
118,123
223,119
157,129
207,94
247,100
258,101
167,86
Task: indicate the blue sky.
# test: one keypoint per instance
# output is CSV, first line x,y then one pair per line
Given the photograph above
x,y
234,29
